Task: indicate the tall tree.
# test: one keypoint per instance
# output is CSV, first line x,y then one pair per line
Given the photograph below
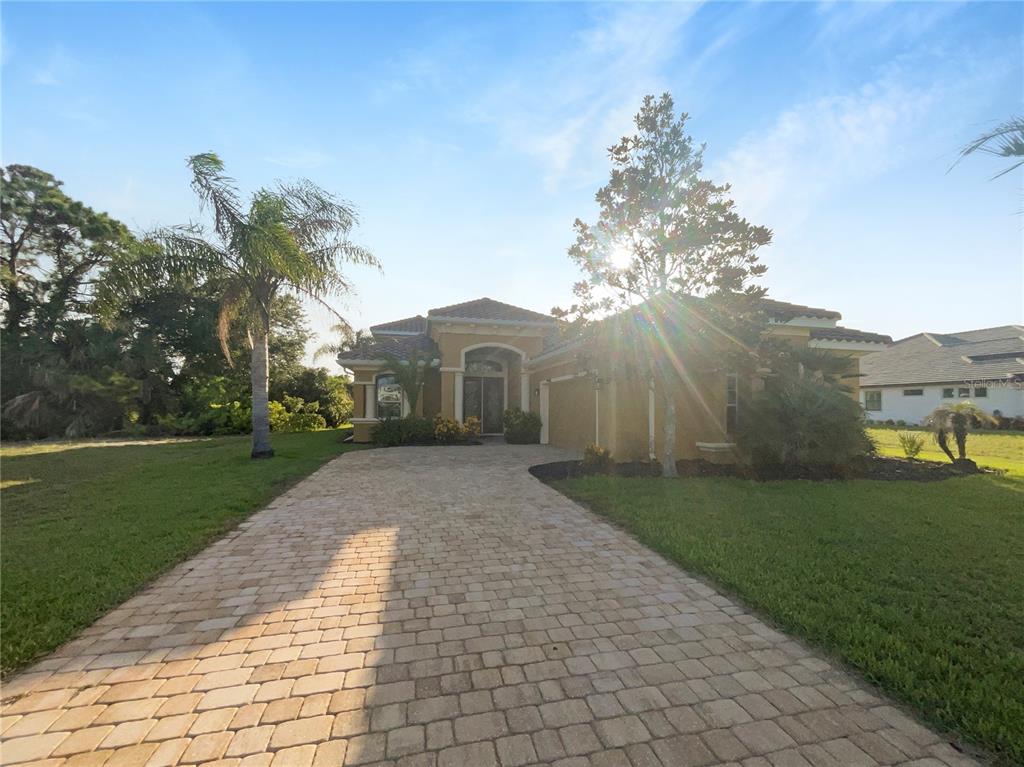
x,y
663,230
292,237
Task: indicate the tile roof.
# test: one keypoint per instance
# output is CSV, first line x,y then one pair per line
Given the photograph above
x,y
401,347
972,355
489,309
839,333
417,324
783,310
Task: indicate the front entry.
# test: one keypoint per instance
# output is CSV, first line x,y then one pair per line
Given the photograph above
x,y
484,397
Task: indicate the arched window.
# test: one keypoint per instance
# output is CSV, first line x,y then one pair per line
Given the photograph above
x,y
484,367
389,397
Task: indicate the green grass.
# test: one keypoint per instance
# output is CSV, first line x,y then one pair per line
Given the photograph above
x,y
919,586
86,524
995,450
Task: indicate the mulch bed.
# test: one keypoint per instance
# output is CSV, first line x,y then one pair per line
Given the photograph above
x,y
877,467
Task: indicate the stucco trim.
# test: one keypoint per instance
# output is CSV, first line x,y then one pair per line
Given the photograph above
x,y
481,321
846,346
491,345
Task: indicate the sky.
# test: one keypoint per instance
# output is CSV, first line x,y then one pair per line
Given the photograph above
x,y
470,136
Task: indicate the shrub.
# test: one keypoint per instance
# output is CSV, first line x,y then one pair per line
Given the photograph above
x,y
521,428
911,442
800,422
471,427
597,459
448,431
410,430
295,414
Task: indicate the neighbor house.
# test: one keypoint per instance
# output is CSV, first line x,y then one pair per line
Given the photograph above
x,y
909,379
485,356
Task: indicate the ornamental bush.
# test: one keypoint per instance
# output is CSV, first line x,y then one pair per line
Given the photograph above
x,y
521,428
802,423
597,459
410,430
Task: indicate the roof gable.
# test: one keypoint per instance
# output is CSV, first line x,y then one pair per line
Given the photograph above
x,y
489,310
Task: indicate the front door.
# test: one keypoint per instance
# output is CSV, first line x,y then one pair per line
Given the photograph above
x,y
484,397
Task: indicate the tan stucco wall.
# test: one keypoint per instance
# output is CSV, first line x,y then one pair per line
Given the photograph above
x,y
451,343
571,413
362,432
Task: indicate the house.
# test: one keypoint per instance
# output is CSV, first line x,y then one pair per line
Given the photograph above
x,y
488,356
911,378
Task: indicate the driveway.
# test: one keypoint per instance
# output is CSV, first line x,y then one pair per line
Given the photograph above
x,y
439,606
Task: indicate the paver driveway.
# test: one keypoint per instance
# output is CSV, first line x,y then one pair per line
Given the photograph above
x,y
439,606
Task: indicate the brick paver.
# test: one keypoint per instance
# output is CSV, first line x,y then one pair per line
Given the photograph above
x,y
440,607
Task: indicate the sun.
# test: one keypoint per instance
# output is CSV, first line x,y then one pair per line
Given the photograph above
x,y
620,256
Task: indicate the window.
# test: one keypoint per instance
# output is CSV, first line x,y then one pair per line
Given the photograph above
x,y
947,394
980,391
963,392
732,403
913,392
483,367
389,397
873,400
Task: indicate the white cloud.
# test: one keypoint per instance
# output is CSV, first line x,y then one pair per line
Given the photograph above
x,y
56,70
819,146
566,111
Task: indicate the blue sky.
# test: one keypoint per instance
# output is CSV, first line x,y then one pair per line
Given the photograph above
x,y
470,136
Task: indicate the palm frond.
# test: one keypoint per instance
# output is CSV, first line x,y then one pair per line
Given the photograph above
x,y
231,300
1004,140
218,191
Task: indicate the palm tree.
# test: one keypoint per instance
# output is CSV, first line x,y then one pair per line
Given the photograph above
x,y
290,238
1005,140
411,374
957,419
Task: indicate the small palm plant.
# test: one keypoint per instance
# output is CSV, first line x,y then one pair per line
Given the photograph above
x,y
958,420
411,374
289,238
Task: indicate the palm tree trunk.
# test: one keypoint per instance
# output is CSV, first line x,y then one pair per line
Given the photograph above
x,y
960,435
668,461
260,396
941,438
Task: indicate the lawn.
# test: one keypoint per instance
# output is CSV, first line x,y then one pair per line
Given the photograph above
x,y
919,586
997,450
86,524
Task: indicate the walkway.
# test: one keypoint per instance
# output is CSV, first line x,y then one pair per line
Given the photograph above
x,y
438,607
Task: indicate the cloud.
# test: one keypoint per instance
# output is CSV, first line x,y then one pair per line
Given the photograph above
x,y
300,158
567,110
56,70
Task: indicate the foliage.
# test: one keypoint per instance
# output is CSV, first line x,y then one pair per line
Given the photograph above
x,y
448,431
915,585
959,420
597,459
991,449
1005,140
408,430
295,414
662,230
521,428
292,237
411,373
86,525
910,443
801,422
315,385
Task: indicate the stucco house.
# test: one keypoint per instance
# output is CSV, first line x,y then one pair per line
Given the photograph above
x,y
489,356
909,379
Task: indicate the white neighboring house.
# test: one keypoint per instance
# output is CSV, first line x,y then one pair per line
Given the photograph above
x,y
911,378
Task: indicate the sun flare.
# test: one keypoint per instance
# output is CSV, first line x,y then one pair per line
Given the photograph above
x,y
620,256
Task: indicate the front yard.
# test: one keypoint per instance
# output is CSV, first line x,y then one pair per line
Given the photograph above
x,y
86,524
919,586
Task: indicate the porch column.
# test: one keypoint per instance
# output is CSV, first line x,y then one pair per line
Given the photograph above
x,y
458,397
371,401
652,452
544,437
524,392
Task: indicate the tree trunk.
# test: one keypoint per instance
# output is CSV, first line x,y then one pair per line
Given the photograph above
x,y
941,438
260,410
960,435
668,460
